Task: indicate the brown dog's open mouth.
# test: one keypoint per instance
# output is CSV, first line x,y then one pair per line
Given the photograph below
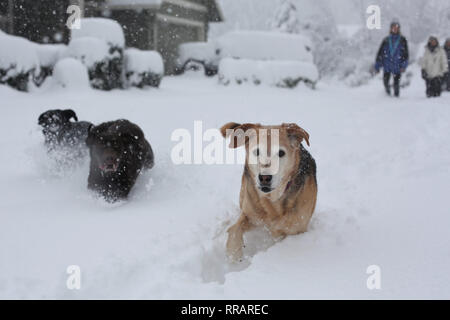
x,y
110,167
265,189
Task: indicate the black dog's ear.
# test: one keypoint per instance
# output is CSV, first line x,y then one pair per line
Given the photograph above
x,y
69,114
41,120
90,137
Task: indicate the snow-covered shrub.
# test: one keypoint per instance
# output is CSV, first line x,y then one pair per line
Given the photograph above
x,y
262,45
70,73
203,53
48,55
105,66
286,18
101,28
19,61
286,74
143,68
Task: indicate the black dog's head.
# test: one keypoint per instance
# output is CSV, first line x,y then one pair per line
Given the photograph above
x,y
53,120
112,146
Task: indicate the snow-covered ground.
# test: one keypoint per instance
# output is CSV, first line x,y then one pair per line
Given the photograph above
x,y
383,174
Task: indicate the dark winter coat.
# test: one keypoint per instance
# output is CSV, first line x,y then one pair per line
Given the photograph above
x,y
393,54
447,50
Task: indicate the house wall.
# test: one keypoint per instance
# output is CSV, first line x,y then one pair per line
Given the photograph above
x,y
164,28
178,21
137,26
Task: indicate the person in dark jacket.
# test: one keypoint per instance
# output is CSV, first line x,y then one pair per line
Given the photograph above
x,y
447,51
393,57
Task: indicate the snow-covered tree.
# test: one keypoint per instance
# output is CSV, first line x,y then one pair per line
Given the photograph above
x,y
286,18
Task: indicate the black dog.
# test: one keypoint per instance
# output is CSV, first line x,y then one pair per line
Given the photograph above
x,y
119,152
60,132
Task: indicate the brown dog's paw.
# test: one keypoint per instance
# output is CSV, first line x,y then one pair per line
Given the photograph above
x,y
234,251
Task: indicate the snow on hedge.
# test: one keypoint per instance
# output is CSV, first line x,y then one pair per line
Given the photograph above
x,y
262,45
88,50
70,73
49,54
143,68
19,61
105,63
144,61
101,28
17,55
270,72
198,51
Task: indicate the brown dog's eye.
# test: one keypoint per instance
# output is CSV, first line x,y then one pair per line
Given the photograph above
x,y
281,153
256,152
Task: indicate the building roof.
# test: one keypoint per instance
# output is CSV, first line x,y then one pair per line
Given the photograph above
x,y
214,11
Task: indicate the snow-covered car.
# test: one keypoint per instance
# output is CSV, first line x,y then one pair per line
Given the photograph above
x,y
279,73
264,45
274,58
196,56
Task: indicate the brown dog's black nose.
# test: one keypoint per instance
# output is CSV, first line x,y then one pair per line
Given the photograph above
x,y
265,179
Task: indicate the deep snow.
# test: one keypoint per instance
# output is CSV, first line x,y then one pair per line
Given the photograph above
x,y
383,174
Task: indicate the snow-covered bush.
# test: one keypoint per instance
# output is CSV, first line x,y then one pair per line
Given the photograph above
x,y
19,61
286,18
143,68
104,59
48,55
70,73
203,53
101,28
262,45
286,74
105,64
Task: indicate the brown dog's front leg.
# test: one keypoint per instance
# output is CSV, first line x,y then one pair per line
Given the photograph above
x,y
235,241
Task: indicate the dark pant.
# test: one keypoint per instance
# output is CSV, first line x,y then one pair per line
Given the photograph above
x,y
434,87
387,77
447,81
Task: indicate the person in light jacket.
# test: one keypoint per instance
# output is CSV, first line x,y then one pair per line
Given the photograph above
x,y
434,65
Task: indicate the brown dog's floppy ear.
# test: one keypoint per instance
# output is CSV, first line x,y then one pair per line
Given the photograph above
x,y
228,126
293,130
69,114
237,132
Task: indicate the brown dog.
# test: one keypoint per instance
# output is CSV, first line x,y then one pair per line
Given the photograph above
x,y
279,186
